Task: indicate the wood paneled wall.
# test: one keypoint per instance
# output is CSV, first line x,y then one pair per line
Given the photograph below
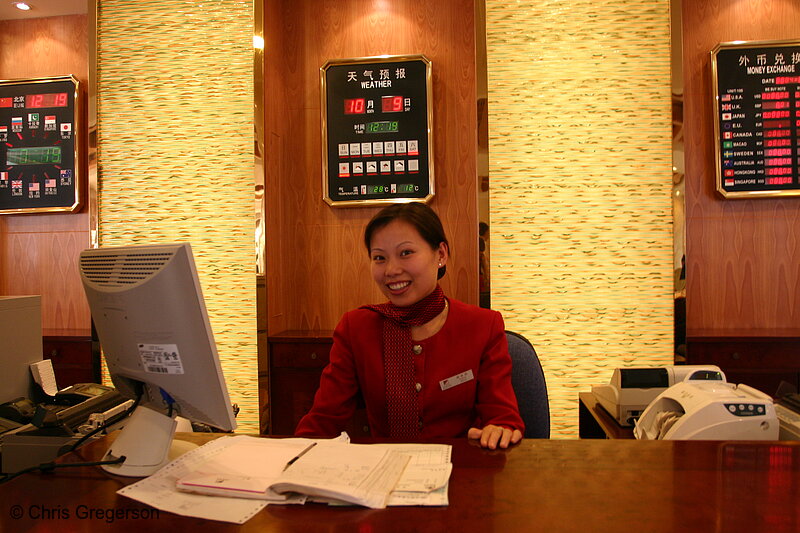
x,y
39,253
742,256
317,267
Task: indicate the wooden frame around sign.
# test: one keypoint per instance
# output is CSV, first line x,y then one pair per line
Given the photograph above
x,y
758,145
365,62
69,179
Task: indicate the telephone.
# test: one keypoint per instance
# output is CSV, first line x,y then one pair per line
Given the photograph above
x,y
56,408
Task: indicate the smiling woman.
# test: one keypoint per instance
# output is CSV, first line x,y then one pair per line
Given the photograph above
x,y
426,365
409,252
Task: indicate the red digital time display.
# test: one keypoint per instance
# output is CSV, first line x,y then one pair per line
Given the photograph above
x,y
354,106
35,101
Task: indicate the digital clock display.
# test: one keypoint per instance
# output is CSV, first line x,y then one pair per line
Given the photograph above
x,y
36,101
384,126
35,155
354,106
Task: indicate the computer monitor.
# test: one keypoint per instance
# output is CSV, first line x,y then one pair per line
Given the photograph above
x,y
154,330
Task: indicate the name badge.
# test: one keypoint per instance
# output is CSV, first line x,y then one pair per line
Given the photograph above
x,y
458,379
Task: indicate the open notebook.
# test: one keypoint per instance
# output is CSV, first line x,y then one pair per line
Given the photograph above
x,y
360,474
217,480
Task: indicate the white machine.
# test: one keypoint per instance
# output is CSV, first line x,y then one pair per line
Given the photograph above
x,y
632,389
696,410
20,344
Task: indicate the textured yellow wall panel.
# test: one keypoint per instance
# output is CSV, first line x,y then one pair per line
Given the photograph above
x,y
175,155
580,173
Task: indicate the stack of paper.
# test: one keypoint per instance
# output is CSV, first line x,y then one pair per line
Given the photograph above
x,y
232,478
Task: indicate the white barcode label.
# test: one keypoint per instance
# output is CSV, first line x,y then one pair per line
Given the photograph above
x,y
160,358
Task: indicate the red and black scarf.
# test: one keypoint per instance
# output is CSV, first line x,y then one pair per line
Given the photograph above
x,y
398,359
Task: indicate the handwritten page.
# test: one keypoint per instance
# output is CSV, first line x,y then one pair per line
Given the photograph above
x,y
424,478
355,473
245,468
429,466
334,471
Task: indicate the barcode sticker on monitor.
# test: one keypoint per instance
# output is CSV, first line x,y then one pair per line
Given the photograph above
x,y
161,358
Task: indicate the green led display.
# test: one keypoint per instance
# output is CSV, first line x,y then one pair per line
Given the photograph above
x,y
34,155
384,126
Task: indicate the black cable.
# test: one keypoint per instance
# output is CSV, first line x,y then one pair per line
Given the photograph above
x,y
102,427
49,467
98,429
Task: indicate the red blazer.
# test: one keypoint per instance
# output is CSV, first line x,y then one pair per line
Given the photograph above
x,y
471,340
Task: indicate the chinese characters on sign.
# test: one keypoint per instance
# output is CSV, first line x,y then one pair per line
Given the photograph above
x,y
757,118
377,130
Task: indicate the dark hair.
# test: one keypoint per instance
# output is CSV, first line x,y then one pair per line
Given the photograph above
x,y
420,216
483,227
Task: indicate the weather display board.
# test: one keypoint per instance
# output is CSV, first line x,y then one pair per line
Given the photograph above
x,y
757,118
376,129
38,145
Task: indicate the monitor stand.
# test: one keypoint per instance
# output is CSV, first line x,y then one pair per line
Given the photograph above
x,y
147,444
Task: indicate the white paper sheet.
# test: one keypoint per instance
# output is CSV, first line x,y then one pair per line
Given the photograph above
x,y
355,473
159,490
429,465
44,375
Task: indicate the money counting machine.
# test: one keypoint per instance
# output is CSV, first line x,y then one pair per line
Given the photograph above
x,y
709,410
631,390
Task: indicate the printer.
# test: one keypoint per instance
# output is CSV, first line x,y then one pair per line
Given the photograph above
x,y
709,410
632,389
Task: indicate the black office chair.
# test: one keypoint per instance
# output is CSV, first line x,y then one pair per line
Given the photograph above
x,y
527,378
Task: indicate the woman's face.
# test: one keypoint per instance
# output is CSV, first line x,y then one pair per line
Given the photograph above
x,y
404,265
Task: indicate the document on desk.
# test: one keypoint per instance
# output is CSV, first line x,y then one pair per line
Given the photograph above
x,y
245,467
361,474
159,490
426,479
253,472
231,456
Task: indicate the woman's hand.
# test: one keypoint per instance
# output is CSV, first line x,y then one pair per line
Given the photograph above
x,y
493,436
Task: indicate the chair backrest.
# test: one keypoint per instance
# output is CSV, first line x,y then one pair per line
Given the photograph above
x,y
527,378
